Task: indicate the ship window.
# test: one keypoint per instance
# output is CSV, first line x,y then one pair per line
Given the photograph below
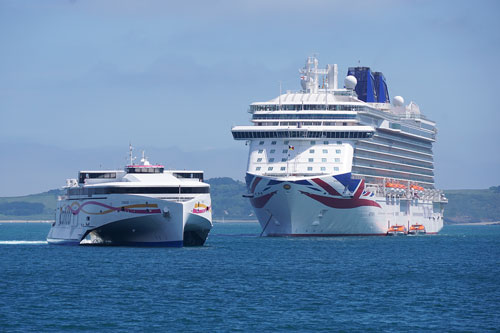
x,y
284,151
339,142
337,151
323,160
259,159
273,151
286,142
337,160
313,142
270,169
309,168
283,159
325,151
260,151
335,168
282,168
325,142
323,169
273,142
271,159
311,151
311,160
261,142
257,168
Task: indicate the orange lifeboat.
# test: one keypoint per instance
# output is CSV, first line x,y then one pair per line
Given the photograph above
x,y
416,229
416,187
395,185
396,230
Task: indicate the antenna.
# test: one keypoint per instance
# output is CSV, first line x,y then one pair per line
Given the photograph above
x,y
130,151
279,98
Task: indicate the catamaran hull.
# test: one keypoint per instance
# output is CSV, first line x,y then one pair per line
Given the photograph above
x,y
161,223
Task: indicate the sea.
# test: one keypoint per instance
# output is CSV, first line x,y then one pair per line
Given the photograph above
x,y
240,282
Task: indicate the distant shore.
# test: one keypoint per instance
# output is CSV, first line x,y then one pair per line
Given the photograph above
x,y
235,221
240,221
476,223
27,221
51,221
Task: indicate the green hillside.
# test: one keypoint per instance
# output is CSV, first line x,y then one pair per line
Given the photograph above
x,y
30,207
228,203
473,205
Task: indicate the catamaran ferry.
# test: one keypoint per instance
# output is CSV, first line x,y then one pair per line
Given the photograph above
x,y
329,161
142,205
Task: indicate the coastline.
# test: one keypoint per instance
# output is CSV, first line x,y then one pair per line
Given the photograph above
x,y
242,221
476,223
234,221
26,221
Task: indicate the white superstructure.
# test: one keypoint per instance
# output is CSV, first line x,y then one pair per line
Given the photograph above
x,y
330,161
142,205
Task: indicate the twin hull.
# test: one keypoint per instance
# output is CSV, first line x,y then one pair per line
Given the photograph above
x,y
132,220
334,206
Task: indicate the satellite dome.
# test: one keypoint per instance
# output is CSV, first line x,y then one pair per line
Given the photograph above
x,y
398,101
350,82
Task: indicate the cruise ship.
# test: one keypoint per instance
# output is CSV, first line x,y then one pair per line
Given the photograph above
x,y
142,205
329,161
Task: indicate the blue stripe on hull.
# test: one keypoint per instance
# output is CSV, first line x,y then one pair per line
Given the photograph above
x,y
67,242
179,243
138,244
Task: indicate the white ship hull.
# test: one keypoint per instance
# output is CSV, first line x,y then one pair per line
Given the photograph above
x,y
324,206
132,220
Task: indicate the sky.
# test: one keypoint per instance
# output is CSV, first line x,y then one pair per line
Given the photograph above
x,y
79,80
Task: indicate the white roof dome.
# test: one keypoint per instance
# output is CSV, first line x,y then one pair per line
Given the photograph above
x,y
350,82
398,101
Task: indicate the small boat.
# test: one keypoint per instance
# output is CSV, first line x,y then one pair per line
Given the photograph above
x,y
396,230
416,229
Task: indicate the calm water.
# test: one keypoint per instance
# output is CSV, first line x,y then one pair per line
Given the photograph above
x,y
240,282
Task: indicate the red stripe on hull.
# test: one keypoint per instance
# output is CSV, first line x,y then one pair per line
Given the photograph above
x,y
330,190
260,202
341,203
254,185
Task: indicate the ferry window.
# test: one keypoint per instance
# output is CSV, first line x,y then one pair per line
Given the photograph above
x,y
282,168
284,151
259,159
272,151
313,142
273,142
337,160
261,142
337,151
339,142
286,142
325,151
270,169
257,168
283,159
309,168
323,160
311,151
311,160
335,168
325,142
260,151
271,160
323,169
